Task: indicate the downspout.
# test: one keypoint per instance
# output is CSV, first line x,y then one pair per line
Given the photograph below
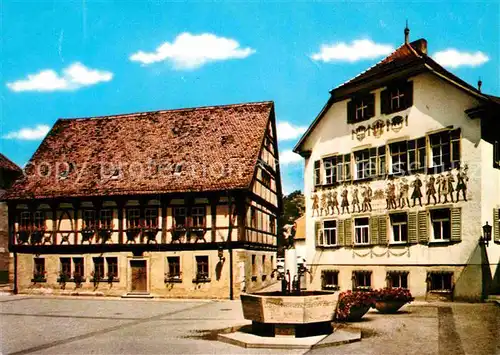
x,y
231,292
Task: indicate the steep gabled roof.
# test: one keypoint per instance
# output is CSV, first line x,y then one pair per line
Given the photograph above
x,y
409,59
7,164
196,149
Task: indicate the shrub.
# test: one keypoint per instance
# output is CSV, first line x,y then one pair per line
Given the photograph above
x,y
349,299
393,294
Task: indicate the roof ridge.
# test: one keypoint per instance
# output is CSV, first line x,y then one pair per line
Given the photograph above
x,y
185,109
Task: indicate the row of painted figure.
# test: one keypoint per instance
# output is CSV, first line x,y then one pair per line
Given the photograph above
x,y
441,185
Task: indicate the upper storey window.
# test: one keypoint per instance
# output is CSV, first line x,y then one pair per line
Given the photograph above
x,y
397,97
361,108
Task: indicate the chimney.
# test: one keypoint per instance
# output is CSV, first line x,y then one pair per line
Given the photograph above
x,y
479,84
420,45
407,33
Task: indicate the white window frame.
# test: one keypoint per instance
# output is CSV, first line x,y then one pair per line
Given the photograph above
x,y
198,214
327,233
396,94
360,107
399,157
441,222
362,157
362,232
329,170
399,226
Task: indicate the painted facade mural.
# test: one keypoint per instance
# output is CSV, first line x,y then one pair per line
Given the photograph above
x,y
398,193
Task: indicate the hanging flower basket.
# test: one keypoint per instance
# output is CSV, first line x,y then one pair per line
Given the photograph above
x,y
390,300
105,235
87,234
352,306
132,234
150,234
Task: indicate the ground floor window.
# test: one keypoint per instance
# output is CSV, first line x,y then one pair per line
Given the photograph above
x,y
98,273
396,279
112,266
330,280
65,272
39,270
202,267
79,270
361,280
440,281
174,267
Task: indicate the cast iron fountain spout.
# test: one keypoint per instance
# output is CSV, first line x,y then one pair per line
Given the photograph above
x,y
285,284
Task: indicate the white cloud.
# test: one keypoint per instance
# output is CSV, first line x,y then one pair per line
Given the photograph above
x,y
453,58
287,131
289,157
73,77
39,132
189,51
358,49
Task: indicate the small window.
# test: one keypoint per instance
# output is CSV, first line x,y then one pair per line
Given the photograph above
x,y
98,273
397,279
79,267
39,220
361,108
330,170
362,230
399,158
133,218
496,154
440,281
272,224
106,218
329,233
441,227
202,267
180,217
317,173
25,220
399,225
89,219
266,179
39,270
362,280
198,216
151,217
417,155
174,267
65,267
330,280
112,263
397,97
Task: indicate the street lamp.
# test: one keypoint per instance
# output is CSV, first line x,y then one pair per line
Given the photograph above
x,y
486,237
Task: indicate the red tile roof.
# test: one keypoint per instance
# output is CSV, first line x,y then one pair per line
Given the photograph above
x,y
214,148
7,164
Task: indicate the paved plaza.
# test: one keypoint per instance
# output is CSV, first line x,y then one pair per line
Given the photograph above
x,y
59,325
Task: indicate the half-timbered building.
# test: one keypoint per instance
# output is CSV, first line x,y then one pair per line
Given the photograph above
x,y
401,174
178,203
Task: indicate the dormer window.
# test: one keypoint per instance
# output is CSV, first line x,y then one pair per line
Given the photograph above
x,y
397,97
361,108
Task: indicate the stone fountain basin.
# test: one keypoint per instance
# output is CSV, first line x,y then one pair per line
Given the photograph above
x,y
272,307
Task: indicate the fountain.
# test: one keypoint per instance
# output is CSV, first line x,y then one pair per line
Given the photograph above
x,y
290,318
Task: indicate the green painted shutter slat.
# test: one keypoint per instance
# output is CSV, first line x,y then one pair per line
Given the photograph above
x,y
382,230
456,224
423,229
412,228
340,232
496,224
374,230
348,231
319,232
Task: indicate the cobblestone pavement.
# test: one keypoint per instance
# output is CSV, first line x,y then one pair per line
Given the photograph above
x,y
50,325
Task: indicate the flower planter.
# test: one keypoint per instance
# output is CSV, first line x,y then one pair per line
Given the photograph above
x,y
356,313
389,306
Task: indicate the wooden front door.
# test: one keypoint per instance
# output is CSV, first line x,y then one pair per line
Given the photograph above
x,y
139,275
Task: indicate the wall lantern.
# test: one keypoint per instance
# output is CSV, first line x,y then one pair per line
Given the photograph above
x,y
486,237
220,254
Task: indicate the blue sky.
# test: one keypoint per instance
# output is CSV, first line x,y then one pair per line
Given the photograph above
x,y
85,58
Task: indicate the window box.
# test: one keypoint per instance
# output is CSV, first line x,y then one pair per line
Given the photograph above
x,y
132,234
87,234
37,236
105,235
178,232
150,234
201,278
173,278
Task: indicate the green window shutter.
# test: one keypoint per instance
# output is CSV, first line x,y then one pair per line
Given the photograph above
x,y
408,91
385,104
350,111
412,228
374,230
348,231
496,224
382,230
340,232
319,234
456,224
423,229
